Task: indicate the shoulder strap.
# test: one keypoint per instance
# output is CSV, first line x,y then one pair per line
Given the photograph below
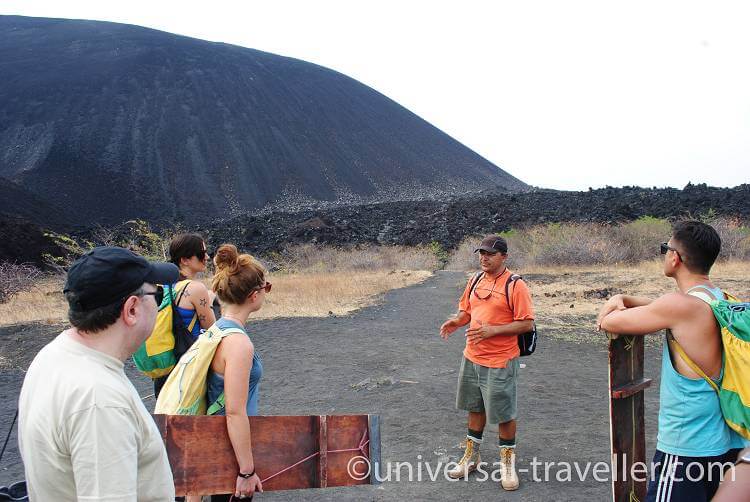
x,y
220,401
702,296
177,301
707,294
690,362
216,405
217,331
181,291
477,277
511,279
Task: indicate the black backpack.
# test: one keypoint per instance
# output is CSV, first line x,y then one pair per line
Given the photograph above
x,y
526,341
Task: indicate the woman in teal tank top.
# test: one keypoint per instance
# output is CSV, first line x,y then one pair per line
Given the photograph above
x,y
236,369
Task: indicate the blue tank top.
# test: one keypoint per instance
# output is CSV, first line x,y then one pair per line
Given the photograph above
x,y
215,381
187,317
690,420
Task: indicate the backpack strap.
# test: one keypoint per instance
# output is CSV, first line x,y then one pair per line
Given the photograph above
x,y
477,277
704,293
513,278
690,362
217,405
707,295
177,302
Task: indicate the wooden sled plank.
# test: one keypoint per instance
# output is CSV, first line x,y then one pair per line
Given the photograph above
x,y
627,429
291,452
631,388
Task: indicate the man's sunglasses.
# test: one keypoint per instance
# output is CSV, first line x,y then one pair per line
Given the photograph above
x,y
664,248
158,294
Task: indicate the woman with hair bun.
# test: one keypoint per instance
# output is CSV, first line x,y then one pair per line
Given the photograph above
x,y
236,369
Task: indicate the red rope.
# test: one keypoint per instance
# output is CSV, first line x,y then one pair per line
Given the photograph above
x,y
360,448
362,443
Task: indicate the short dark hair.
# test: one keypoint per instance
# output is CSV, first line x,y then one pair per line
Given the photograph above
x,y
185,246
98,319
699,244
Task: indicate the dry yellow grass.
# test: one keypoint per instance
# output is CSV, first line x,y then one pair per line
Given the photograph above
x,y
321,294
294,295
44,302
567,299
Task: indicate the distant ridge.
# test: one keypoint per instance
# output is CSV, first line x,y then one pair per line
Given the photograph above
x,y
113,121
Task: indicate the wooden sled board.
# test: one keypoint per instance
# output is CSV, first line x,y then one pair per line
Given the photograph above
x,y
290,452
626,411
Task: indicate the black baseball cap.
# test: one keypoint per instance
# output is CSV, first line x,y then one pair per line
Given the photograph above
x,y
107,274
493,244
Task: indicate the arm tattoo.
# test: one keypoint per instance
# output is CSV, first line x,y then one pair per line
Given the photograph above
x,y
203,302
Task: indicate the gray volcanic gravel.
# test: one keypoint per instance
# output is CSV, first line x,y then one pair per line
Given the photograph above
x,y
389,360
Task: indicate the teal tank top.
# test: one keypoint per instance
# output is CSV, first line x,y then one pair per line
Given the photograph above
x,y
690,420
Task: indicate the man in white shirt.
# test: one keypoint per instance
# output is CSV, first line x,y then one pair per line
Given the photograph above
x,y
84,433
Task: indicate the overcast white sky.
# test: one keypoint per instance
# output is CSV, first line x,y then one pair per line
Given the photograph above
x,y
561,94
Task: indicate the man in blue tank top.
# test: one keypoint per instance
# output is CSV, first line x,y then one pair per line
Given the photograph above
x,y
693,443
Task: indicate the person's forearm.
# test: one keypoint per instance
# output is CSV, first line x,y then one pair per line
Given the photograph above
x,y
239,434
512,329
635,301
735,485
462,318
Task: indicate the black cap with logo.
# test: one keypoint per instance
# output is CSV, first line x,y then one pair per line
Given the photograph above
x,y
493,244
107,274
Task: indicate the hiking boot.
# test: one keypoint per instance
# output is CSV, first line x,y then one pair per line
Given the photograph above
x,y
468,462
509,478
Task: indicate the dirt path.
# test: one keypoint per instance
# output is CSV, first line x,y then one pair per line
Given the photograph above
x,y
314,366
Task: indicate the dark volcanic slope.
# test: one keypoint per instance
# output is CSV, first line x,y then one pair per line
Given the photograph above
x,y
116,121
16,202
421,222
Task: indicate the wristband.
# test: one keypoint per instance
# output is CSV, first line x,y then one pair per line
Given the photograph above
x,y
246,476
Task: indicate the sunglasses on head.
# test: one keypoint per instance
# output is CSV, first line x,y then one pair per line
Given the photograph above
x,y
158,294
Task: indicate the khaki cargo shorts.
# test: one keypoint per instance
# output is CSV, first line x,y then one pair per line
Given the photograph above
x,y
488,390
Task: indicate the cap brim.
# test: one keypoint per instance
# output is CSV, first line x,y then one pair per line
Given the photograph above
x,y
488,249
162,273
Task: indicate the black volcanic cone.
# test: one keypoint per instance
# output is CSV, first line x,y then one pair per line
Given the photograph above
x,y
112,121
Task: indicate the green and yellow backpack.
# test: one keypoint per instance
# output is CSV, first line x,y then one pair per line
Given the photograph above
x,y
159,353
733,317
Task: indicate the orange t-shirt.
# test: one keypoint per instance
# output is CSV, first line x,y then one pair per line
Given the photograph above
x,y
496,351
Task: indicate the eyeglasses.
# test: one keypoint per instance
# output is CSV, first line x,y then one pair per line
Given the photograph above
x,y
158,294
266,287
665,247
201,255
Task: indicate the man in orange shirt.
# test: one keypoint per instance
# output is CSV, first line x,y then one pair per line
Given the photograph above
x,y
489,369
